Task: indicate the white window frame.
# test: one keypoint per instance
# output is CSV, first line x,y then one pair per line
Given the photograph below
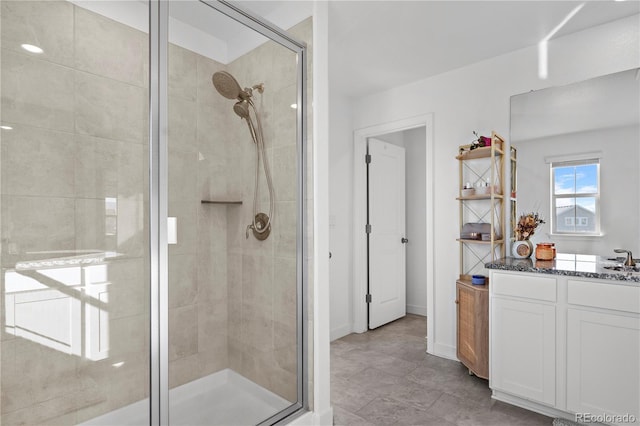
x,y
554,197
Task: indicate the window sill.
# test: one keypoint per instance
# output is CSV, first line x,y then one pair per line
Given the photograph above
x,y
576,236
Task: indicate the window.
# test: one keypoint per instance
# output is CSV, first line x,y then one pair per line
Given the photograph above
x,y
575,189
110,216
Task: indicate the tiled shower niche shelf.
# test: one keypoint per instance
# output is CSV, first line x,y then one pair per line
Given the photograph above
x,y
228,202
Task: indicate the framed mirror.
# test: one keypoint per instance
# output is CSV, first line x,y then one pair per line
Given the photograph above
x,y
578,162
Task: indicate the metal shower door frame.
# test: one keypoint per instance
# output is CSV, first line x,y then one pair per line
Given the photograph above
x,y
158,203
158,212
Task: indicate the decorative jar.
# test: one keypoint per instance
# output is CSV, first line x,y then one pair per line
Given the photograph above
x,y
522,249
545,251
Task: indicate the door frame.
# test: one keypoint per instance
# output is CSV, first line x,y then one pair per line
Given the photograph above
x,y
360,218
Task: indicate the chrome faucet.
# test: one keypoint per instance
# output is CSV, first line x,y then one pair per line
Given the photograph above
x,y
629,261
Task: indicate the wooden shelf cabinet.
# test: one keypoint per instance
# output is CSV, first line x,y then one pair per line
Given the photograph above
x,y
480,166
484,165
472,303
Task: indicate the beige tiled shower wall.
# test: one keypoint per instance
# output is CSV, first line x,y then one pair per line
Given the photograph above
x,y
262,274
233,299
73,171
199,147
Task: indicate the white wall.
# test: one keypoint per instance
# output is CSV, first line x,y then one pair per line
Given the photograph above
x,y
322,412
475,97
340,215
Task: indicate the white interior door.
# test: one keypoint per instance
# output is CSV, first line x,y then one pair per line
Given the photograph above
x,y
387,266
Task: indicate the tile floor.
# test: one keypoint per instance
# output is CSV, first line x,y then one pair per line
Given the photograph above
x,y
384,377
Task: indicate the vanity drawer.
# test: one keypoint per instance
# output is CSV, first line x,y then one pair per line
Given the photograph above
x,y
606,296
526,286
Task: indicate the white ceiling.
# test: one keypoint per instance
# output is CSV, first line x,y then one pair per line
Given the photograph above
x,y
200,28
377,45
235,39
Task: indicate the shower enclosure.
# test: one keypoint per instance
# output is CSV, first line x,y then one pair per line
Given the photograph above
x,y
153,209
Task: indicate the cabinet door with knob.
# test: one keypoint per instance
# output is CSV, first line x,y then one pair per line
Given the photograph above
x,y
603,372
473,331
523,349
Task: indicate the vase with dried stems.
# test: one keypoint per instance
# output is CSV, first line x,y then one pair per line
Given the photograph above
x,y
525,228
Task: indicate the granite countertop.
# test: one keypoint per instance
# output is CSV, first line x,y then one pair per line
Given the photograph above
x,y
575,265
66,259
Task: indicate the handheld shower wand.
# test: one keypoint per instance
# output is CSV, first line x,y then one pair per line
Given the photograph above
x,y
228,87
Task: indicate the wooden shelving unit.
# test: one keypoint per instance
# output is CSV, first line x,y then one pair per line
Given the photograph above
x,y
513,161
480,165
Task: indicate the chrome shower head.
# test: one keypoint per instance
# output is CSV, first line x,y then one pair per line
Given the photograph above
x,y
226,85
242,108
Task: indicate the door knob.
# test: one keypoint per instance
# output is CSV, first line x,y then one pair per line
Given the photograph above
x,y
404,240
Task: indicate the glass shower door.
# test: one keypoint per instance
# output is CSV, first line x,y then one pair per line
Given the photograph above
x,y
81,305
74,213
235,348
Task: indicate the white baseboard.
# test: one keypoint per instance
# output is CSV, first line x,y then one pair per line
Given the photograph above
x,y
443,351
339,332
532,406
417,310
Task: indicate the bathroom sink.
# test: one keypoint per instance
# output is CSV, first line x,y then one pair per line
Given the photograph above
x,y
621,259
614,268
621,268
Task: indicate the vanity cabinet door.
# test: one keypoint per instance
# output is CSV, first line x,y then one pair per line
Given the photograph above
x,y
603,368
523,349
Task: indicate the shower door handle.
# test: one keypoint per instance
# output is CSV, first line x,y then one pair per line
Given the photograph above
x,y
404,240
172,230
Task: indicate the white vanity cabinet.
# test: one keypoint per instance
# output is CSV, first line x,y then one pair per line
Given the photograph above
x,y
523,337
603,349
564,346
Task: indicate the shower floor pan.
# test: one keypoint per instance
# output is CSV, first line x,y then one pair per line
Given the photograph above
x,y
223,398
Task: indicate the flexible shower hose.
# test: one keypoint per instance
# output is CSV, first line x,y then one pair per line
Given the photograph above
x,y
258,139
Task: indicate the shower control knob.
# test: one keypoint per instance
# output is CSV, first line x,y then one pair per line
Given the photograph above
x,y
404,240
